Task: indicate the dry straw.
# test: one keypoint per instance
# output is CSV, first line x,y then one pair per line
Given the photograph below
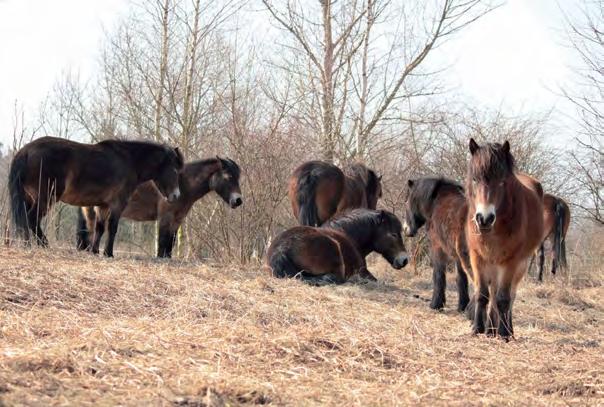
x,y
82,330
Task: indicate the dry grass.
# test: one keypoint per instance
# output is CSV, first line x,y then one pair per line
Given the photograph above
x,y
80,330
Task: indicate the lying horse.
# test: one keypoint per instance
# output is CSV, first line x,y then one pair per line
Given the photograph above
x,y
504,226
441,205
318,190
556,219
197,178
104,174
336,251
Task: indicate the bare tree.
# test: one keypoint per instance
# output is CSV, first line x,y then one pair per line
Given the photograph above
x,y
354,69
586,37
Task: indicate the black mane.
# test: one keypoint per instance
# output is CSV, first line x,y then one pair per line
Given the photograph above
x,y
360,224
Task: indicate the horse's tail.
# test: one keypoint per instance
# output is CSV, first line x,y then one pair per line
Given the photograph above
x,y
559,240
307,186
82,232
282,266
18,168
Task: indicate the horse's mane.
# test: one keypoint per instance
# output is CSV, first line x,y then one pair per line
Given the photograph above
x,y
491,161
358,223
228,165
426,189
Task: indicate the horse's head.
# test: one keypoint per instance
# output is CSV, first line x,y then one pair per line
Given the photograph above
x,y
490,168
388,240
169,169
225,182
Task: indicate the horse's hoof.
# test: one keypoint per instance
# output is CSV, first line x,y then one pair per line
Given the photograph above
x,y
437,305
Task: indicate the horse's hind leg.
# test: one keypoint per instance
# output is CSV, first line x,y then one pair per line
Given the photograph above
x,y
439,280
462,288
166,238
541,261
34,216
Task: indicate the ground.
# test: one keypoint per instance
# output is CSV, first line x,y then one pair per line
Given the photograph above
x,y
81,330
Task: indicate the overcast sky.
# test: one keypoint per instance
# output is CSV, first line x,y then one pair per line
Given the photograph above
x,y
513,57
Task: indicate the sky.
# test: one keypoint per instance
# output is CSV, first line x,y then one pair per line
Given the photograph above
x,y
512,58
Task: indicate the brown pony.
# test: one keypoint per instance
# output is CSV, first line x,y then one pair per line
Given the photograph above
x,y
336,251
504,226
104,174
318,190
556,219
197,178
441,205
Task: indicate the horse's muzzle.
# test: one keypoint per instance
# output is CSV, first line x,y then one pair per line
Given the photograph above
x,y
174,195
235,201
400,261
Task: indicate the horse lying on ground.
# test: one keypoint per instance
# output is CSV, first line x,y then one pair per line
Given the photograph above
x,y
336,251
318,190
105,174
197,178
504,226
441,205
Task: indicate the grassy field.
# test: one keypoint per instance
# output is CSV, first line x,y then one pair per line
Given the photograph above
x,y
80,330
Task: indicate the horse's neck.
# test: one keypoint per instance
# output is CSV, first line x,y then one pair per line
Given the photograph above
x,y
362,241
141,155
195,180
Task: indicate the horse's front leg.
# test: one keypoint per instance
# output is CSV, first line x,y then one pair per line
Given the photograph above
x,y
165,240
481,301
100,220
113,222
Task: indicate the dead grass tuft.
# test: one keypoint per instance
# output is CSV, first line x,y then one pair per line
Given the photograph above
x,y
82,330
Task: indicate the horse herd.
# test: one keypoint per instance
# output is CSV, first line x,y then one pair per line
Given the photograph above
x,y
489,228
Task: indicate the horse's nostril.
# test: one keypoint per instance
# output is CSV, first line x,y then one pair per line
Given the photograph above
x,y
490,219
405,261
238,201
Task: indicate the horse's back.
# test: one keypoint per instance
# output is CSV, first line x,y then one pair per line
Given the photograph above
x,y
319,181
309,249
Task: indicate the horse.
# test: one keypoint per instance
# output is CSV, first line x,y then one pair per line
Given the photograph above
x,y
556,220
197,178
504,226
318,190
440,204
52,169
336,251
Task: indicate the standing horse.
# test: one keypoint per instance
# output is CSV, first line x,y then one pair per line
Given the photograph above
x,y
556,219
197,178
51,169
504,226
441,205
318,190
337,250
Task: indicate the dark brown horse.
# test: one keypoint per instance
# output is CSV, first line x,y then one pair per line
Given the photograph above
x,y
197,178
318,190
441,205
556,220
104,174
504,226
337,250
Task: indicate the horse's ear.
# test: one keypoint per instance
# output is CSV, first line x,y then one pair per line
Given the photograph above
x,y
410,183
473,146
179,156
383,216
506,147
